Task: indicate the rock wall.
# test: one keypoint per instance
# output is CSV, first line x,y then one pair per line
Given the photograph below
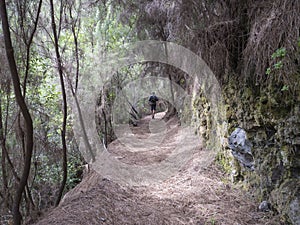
x,y
271,120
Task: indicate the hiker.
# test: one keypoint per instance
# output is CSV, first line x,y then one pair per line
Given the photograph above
x,y
152,101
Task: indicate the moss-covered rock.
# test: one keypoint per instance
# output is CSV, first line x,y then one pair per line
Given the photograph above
x,y
271,120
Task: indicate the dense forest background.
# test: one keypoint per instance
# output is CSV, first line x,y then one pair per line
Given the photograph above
x,y
47,46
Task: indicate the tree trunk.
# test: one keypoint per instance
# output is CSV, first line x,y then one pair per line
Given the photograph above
x,y
75,36
64,96
28,46
171,109
25,112
3,160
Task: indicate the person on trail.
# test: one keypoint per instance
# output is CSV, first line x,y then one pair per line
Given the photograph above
x,y
152,101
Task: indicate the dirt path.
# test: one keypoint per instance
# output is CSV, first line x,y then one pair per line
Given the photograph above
x,y
197,194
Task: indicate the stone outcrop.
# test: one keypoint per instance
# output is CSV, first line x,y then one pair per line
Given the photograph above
x,y
271,123
241,148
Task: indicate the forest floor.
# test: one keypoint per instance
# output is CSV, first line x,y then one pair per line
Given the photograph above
x,y
195,195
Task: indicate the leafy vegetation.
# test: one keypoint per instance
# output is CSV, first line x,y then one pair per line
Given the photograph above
x,y
277,56
82,29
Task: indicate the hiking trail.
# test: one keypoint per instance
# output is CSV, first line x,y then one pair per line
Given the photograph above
x,y
197,194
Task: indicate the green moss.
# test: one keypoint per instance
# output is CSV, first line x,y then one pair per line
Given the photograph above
x,y
271,118
224,161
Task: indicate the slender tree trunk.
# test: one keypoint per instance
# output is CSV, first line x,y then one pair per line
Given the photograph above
x,y
25,112
77,58
28,42
28,47
74,89
105,127
171,108
80,117
75,36
3,159
64,96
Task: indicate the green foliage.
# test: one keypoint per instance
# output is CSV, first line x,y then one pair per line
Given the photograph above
x,y
111,33
75,169
268,71
47,173
278,57
98,28
278,65
111,96
285,88
279,53
46,107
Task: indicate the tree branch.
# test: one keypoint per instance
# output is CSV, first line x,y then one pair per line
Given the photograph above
x,y
64,96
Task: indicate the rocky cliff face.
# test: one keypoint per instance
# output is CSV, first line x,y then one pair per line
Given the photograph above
x,y
272,123
271,120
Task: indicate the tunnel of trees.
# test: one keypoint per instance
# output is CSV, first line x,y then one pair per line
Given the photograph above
x,y
47,46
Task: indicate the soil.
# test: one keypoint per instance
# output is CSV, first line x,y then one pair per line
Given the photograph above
x,y
198,193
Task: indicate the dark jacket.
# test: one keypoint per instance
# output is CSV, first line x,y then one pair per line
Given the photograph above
x,y
152,100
